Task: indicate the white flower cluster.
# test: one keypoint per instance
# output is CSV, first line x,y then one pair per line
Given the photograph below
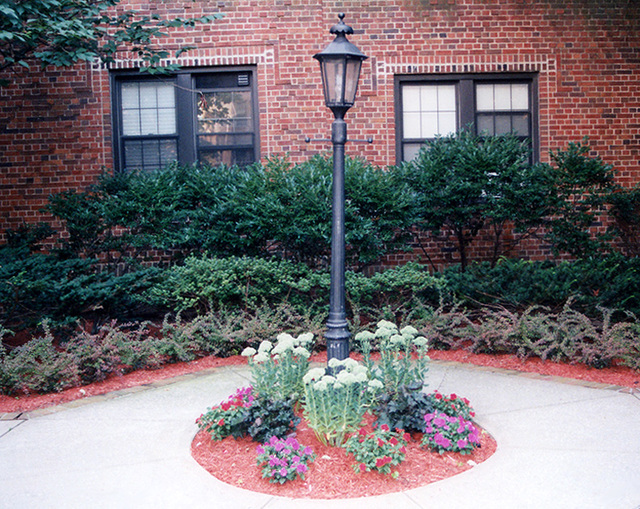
x,y
389,334
348,372
285,343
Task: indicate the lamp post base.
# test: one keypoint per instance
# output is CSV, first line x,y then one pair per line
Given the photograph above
x,y
337,337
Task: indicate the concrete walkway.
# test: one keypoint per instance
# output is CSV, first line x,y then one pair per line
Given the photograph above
x,y
560,445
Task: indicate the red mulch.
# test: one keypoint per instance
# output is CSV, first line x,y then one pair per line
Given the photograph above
x,y
616,375
331,475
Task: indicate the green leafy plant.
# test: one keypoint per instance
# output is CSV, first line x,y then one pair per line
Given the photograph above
x,y
403,409
271,417
403,355
62,33
452,405
444,433
463,183
229,417
379,449
37,366
277,370
283,460
334,404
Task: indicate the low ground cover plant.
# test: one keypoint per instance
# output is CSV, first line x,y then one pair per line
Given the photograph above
x,y
380,449
283,460
447,433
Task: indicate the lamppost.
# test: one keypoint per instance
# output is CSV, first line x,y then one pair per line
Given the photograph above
x,y
340,65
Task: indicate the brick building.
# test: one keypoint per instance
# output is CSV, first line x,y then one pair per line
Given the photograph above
x,y
552,71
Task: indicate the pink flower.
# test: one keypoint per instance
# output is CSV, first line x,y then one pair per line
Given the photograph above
x,y
393,441
221,422
363,467
260,450
462,444
283,472
381,462
301,468
307,451
295,445
380,442
442,441
453,397
384,427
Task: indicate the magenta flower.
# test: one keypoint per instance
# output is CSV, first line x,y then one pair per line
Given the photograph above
x,y
301,468
462,444
283,472
441,440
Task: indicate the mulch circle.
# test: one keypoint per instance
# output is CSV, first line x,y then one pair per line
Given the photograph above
x,y
331,475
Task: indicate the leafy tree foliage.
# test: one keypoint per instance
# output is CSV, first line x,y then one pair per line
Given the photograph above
x,y
464,182
64,32
581,185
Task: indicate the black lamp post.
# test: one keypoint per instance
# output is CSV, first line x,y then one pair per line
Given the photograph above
x,y
340,65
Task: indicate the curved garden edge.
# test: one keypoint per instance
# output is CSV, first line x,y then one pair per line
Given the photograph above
x,y
330,476
616,375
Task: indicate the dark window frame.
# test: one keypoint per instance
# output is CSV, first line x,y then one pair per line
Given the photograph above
x,y
186,105
466,101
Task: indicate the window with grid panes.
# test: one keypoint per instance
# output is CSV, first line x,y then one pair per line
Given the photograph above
x,y
196,115
427,107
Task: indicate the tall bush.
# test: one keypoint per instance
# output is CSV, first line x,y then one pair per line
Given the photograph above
x,y
581,183
465,183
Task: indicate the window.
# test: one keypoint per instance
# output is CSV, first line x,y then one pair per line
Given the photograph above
x,y
438,106
193,116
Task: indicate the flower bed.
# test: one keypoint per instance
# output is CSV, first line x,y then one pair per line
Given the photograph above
x,y
355,410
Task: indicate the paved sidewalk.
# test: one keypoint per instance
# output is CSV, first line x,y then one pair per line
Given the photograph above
x,y
560,445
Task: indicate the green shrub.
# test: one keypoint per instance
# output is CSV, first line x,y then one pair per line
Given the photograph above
x,y
463,183
580,185
610,282
625,211
205,284
39,286
37,367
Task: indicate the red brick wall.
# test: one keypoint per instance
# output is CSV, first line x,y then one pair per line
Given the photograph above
x,y
55,127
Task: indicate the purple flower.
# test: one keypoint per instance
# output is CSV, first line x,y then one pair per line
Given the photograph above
x,y
301,468
274,461
428,417
295,459
462,444
283,472
308,451
295,445
278,446
442,441
260,450
438,421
